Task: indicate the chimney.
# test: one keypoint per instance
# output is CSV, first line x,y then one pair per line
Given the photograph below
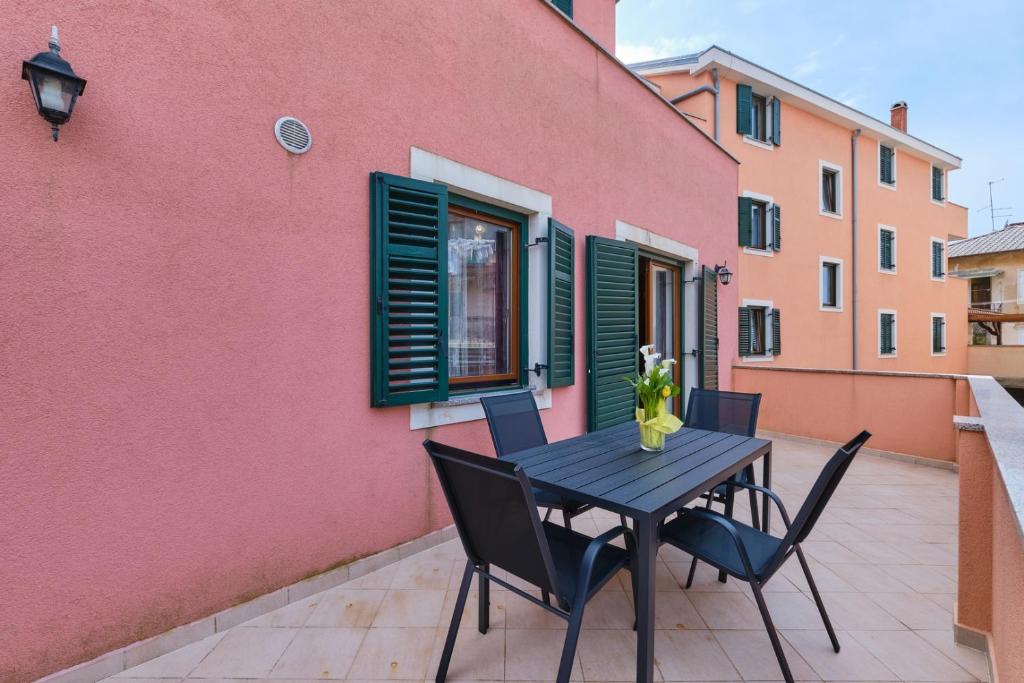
x,y
898,115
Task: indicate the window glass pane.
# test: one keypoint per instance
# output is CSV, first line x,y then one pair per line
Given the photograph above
x,y
664,317
828,284
828,191
757,331
757,118
479,297
759,222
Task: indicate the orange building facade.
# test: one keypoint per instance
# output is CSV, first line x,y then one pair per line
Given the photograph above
x,y
842,222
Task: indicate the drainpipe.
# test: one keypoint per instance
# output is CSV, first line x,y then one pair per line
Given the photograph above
x,y
853,260
713,89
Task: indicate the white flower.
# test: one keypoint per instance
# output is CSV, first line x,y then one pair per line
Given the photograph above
x,y
668,363
650,358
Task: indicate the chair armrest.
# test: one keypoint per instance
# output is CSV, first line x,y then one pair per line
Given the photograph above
x,y
590,554
726,523
766,491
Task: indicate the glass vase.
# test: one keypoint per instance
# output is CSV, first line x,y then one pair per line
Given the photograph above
x,y
652,439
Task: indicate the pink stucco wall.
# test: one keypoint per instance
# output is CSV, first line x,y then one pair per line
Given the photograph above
x,y
909,414
184,350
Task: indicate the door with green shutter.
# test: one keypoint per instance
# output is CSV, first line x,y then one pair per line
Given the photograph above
x,y
408,290
612,331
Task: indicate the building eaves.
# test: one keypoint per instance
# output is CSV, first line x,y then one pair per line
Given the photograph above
x,y
1010,238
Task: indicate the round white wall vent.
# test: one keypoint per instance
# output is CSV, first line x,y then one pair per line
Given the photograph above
x,y
293,135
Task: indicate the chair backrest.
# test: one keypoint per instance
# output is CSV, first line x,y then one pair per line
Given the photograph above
x,y
820,494
495,513
514,421
723,411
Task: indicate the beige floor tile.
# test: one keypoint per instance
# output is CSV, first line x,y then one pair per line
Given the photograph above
x,y
609,655
410,608
295,614
726,610
867,578
791,611
946,601
520,613
320,653
914,610
609,610
910,656
245,653
852,663
379,579
830,553
692,656
477,657
423,573
752,654
126,679
394,654
533,655
705,579
499,600
176,664
344,607
850,611
675,611
973,661
931,553
922,578
824,578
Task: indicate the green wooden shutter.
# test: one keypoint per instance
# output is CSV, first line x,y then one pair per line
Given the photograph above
x,y
937,250
564,5
709,328
776,121
885,160
776,227
744,93
561,305
408,290
937,325
937,183
776,332
746,226
887,343
886,260
612,342
744,333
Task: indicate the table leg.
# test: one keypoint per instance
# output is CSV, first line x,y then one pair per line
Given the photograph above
x,y
647,556
484,607
766,481
730,498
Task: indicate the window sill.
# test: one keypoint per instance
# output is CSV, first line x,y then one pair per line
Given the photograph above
x,y
938,202
887,355
830,309
757,359
938,355
886,271
465,407
938,279
758,143
887,186
830,214
754,251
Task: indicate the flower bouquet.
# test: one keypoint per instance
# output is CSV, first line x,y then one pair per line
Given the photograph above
x,y
653,388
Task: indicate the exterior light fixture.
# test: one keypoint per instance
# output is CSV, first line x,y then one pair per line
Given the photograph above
x,y
723,273
55,86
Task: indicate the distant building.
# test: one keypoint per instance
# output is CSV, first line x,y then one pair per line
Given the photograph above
x,y
993,264
843,221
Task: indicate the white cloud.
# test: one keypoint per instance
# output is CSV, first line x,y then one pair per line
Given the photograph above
x,y
663,47
809,65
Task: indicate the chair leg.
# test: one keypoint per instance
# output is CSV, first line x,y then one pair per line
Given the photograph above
x,y
624,522
693,564
453,629
567,519
484,617
817,598
545,596
755,518
547,515
572,636
772,634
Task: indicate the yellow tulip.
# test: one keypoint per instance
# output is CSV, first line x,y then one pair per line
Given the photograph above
x,y
666,392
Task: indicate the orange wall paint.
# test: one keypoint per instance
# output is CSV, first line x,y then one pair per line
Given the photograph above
x,y
835,406
790,278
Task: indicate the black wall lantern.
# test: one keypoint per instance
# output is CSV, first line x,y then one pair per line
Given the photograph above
x,y
55,86
723,273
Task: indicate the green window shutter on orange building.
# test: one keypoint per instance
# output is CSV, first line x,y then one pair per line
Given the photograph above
x,y
744,93
561,305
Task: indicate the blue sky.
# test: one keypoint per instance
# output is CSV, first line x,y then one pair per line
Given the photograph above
x,y
959,65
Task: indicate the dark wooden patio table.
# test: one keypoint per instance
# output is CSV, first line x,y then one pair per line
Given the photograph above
x,y
608,469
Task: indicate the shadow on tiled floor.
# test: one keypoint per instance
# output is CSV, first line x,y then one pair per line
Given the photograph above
x,y
883,554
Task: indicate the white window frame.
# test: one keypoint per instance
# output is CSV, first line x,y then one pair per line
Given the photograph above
x,y
945,260
769,228
767,142
769,330
477,184
895,333
1020,285
931,342
945,188
878,166
878,256
838,308
822,167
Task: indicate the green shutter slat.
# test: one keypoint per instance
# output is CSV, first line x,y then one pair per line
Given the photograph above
x,y
746,232
776,121
408,291
564,5
887,342
744,93
886,158
776,332
776,227
937,270
937,335
937,183
612,332
886,260
561,305
744,331
709,329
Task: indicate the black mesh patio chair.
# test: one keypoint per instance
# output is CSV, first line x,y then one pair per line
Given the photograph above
x,y
493,506
724,411
754,556
515,426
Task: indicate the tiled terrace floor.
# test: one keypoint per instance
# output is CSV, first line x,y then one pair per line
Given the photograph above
x,y
883,554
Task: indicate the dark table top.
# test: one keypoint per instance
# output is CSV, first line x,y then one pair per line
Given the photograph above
x,y
608,469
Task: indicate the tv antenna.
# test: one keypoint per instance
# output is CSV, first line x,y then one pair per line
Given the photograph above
x,y
992,208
